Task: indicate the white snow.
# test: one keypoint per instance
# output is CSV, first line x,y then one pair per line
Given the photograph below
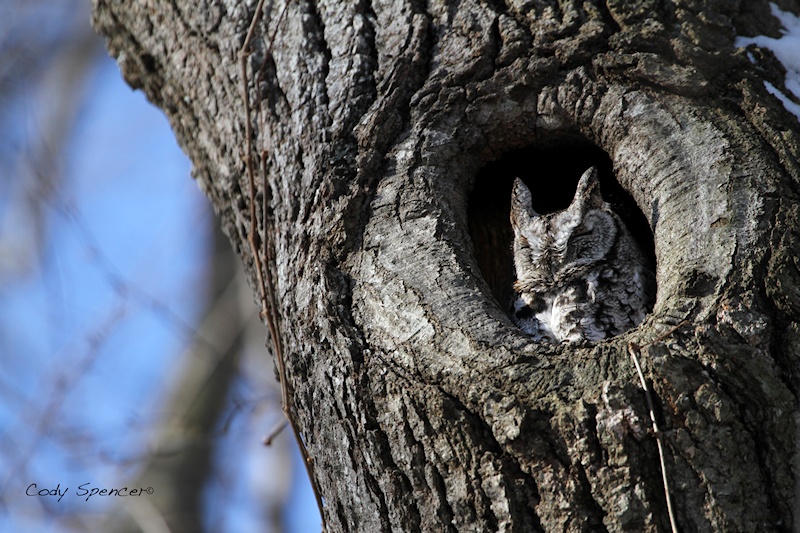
x,y
787,50
788,104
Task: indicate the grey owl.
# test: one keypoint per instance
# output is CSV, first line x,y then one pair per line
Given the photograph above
x,y
580,274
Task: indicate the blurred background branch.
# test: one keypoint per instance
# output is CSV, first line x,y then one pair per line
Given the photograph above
x,y
131,354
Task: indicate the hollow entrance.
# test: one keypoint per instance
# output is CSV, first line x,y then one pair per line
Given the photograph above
x,y
552,175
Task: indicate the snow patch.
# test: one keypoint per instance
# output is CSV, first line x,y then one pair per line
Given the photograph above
x,y
787,50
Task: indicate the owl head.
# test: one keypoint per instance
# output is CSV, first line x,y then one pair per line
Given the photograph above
x,y
550,248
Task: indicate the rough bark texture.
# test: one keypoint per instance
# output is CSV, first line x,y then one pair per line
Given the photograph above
x,y
421,405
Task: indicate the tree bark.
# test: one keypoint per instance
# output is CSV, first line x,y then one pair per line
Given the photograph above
x,y
421,405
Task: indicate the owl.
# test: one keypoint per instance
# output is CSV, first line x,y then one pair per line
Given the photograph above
x,y
580,275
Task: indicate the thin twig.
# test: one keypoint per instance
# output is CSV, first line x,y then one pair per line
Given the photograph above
x,y
269,308
274,432
669,332
634,350
244,53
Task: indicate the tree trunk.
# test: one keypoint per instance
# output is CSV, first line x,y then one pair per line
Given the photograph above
x,y
420,404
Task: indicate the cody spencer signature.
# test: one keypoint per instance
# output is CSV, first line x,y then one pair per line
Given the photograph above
x,y
86,490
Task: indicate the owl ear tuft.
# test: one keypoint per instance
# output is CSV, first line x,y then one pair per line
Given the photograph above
x,y
522,211
587,195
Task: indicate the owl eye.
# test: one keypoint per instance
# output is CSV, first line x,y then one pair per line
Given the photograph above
x,y
580,245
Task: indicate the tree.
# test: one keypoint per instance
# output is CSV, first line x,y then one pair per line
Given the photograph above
x,y
352,161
